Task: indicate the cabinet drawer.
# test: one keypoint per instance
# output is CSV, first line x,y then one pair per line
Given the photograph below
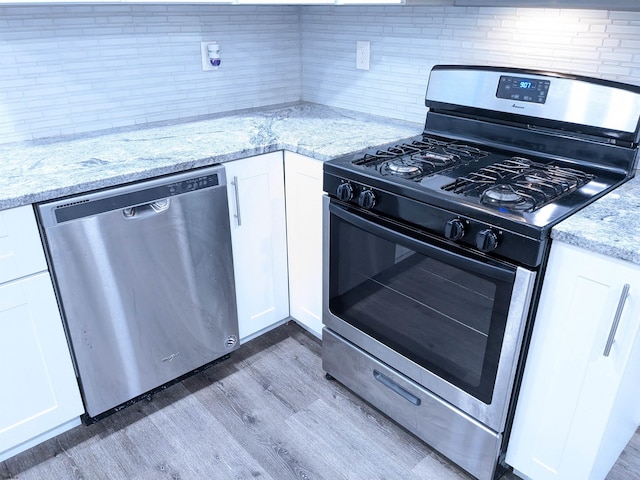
x,y
21,250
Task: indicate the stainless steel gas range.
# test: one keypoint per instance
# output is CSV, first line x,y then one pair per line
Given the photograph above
x,y
435,248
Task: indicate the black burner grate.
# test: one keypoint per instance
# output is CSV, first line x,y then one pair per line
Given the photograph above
x,y
420,158
519,184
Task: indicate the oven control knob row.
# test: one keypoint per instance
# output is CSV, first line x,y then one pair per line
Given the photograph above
x,y
454,229
486,240
367,199
345,192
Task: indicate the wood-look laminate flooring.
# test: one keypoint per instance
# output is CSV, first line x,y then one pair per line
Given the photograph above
x,y
268,412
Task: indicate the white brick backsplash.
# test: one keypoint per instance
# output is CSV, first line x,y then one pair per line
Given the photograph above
x,y
68,69
94,67
590,42
617,58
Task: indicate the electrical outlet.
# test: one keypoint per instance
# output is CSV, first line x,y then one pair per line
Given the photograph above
x,y
205,56
362,55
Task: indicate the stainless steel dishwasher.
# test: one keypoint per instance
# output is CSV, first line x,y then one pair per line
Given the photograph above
x,y
144,277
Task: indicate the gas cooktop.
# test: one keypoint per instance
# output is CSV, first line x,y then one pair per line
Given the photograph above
x,y
460,175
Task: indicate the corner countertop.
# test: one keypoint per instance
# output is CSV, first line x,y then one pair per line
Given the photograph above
x,y
46,169
610,226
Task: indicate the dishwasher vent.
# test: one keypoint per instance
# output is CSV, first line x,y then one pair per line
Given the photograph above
x,y
71,204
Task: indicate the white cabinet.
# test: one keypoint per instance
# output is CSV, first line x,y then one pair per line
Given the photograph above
x,y
303,180
277,256
20,249
580,400
259,241
41,396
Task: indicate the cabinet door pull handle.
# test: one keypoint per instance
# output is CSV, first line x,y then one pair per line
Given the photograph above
x,y
236,190
387,382
616,320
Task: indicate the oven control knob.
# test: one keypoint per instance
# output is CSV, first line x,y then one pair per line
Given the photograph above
x,y
367,199
487,240
345,192
454,229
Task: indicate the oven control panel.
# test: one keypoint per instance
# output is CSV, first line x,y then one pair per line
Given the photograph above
x,y
439,222
486,239
365,197
523,89
613,108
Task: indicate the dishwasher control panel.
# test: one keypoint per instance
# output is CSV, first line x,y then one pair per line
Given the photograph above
x,y
132,195
192,184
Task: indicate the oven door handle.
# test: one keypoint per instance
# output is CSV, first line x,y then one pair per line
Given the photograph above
x,y
491,270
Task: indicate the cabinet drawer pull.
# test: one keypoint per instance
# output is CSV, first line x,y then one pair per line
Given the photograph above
x,y
387,382
616,320
236,190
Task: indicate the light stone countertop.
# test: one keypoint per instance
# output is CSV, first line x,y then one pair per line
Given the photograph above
x,y
42,170
610,226
46,169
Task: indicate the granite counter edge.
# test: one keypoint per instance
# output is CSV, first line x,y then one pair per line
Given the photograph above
x,y
145,174
602,247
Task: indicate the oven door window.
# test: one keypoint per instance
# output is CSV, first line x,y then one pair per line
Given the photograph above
x,y
436,305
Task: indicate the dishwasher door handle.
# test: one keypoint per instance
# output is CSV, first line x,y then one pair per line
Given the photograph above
x,y
147,209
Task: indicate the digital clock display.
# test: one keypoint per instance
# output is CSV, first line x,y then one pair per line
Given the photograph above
x,y
523,89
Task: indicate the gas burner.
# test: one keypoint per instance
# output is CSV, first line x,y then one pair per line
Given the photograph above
x,y
435,158
507,196
420,158
401,167
519,184
502,193
536,177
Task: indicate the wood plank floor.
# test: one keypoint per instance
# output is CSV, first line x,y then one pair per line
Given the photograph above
x,y
266,413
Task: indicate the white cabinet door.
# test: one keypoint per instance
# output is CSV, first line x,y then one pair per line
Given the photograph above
x,y
579,406
303,180
20,248
259,240
40,392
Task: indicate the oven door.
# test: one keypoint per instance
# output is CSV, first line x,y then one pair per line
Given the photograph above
x,y
448,318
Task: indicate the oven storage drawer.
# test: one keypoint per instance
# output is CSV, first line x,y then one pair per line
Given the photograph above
x,y
456,435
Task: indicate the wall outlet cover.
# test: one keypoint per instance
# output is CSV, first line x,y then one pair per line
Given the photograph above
x,y
363,52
